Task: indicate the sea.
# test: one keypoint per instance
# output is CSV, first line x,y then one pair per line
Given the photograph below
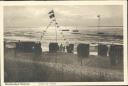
x,y
65,36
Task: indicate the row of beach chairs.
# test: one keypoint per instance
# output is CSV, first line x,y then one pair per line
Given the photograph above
x,y
114,52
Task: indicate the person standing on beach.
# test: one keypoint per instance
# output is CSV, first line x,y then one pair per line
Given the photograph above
x,y
61,47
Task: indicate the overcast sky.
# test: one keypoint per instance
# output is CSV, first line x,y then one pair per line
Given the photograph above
x,y
73,15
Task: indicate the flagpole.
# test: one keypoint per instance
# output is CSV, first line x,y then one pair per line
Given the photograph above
x,y
98,27
52,15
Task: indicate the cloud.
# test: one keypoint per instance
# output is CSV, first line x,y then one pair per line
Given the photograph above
x,y
66,15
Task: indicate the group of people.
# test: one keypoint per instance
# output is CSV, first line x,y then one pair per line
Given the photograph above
x,y
68,48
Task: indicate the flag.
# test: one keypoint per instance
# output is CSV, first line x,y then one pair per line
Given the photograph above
x,y
51,14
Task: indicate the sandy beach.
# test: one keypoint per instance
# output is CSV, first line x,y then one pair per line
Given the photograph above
x,y
58,67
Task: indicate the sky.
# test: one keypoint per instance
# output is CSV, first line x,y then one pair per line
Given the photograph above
x,y
66,15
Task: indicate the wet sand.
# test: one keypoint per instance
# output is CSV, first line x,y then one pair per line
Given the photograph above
x,y
58,67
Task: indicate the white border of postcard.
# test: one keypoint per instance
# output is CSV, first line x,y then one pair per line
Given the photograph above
x,y
21,3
